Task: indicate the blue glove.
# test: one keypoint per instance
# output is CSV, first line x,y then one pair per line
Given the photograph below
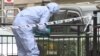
x,y
43,33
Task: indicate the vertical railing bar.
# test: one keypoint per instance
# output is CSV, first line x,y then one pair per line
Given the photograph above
x,y
12,45
43,44
52,46
63,47
7,45
75,47
38,43
47,47
87,41
1,45
58,48
69,45
94,33
78,40
97,40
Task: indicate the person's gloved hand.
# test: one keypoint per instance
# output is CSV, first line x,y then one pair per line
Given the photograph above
x,y
42,27
42,30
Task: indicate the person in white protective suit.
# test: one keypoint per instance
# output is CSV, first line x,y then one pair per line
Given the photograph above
x,y
25,39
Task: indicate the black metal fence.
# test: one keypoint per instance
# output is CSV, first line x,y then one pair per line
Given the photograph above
x,y
96,35
64,40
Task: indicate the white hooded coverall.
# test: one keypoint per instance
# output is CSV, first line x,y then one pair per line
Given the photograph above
x,y
25,39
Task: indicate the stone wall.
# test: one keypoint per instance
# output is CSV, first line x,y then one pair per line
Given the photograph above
x,y
26,1
73,1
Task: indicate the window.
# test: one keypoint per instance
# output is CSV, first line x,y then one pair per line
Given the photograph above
x,y
10,14
59,16
74,14
65,14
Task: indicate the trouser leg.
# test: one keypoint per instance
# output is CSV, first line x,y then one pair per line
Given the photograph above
x,y
30,45
27,40
20,48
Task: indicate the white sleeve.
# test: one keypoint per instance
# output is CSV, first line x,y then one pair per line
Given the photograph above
x,y
45,17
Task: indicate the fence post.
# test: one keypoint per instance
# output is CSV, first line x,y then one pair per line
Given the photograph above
x,y
95,32
78,41
87,41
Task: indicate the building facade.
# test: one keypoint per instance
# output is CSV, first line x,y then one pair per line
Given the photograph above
x,y
26,3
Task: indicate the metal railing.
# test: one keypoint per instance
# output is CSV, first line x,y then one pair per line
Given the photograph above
x,y
96,35
63,41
